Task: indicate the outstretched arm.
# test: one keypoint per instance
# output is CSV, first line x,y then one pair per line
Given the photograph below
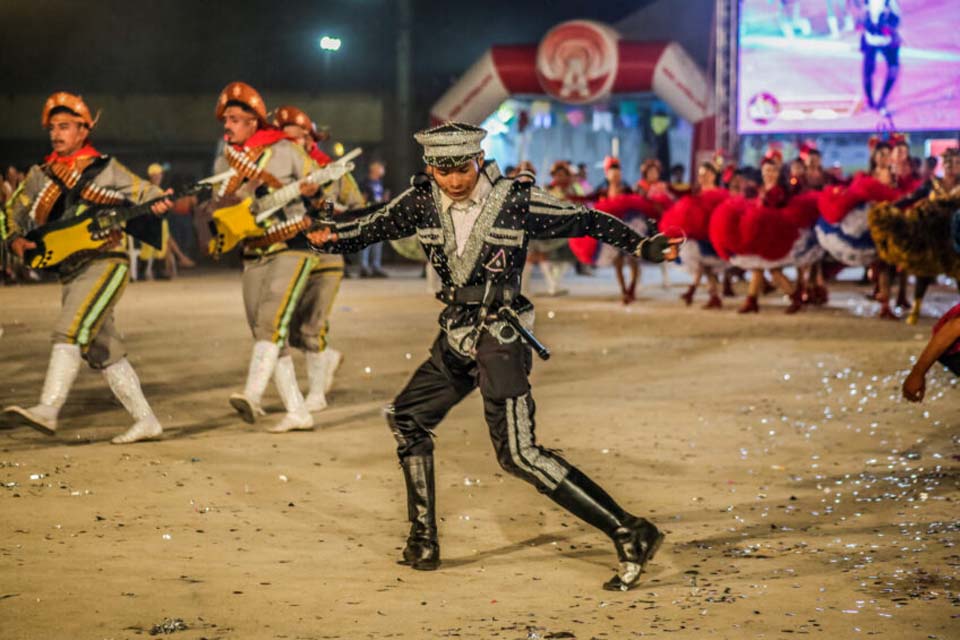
x,y
550,217
916,385
390,221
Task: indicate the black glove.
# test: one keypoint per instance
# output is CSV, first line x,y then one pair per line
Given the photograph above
x,y
651,249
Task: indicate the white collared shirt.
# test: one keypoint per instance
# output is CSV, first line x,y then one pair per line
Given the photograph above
x,y
464,213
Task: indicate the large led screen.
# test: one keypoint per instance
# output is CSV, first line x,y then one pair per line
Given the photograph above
x,y
848,65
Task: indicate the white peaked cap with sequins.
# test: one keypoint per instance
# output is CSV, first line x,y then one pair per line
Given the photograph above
x,y
450,144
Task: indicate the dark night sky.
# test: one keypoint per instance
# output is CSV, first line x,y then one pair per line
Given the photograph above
x,y
197,46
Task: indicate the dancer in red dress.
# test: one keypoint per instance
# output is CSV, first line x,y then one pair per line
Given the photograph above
x,y
768,233
607,197
690,218
843,229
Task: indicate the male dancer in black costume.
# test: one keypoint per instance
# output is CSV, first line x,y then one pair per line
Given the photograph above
x,y
881,22
474,225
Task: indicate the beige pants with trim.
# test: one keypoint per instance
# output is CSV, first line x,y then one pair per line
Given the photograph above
x,y
311,320
272,287
86,313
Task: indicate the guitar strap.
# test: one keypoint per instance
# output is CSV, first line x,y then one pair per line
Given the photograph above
x,y
102,196
73,184
43,203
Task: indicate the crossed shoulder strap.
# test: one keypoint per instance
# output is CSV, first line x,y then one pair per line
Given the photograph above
x,y
245,165
70,182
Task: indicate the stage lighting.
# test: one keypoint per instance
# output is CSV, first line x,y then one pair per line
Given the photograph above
x,y
329,43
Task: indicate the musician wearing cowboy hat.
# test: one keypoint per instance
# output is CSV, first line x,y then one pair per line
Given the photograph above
x,y
73,177
262,158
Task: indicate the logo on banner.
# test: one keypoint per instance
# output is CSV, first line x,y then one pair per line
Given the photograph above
x,y
763,108
577,61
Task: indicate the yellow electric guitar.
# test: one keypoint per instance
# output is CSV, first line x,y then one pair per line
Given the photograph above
x,y
89,230
252,218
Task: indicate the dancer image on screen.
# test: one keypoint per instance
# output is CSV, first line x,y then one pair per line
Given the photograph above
x,y
881,21
474,225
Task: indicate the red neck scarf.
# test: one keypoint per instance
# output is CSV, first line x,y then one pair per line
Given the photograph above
x,y
86,151
262,138
321,158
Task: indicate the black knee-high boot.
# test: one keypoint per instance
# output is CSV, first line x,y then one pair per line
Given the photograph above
x,y
422,551
636,539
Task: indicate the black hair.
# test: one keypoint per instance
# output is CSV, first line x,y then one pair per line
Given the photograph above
x,y
709,166
245,107
873,153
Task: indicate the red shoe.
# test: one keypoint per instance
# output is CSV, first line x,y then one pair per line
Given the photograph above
x,y
714,303
688,296
815,295
796,302
886,313
820,295
749,305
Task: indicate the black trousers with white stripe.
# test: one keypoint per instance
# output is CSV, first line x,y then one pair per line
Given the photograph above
x,y
501,373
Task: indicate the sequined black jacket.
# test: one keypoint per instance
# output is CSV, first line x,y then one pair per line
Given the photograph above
x,y
514,212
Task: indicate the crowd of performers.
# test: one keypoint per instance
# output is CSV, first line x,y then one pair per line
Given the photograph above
x,y
479,231
473,225
288,289
887,219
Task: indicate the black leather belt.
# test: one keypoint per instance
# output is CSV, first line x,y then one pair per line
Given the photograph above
x,y
474,295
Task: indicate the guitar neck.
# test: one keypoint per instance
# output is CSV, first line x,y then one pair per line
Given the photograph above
x,y
135,211
114,217
118,215
281,197
288,193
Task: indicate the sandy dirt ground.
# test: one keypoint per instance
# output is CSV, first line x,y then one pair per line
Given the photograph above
x,y
800,495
